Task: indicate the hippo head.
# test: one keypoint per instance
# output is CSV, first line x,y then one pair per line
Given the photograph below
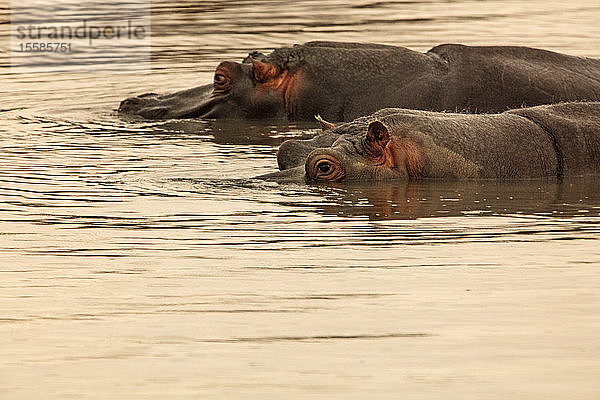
x,y
358,152
254,88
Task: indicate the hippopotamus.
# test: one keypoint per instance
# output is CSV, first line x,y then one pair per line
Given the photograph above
x,y
549,141
343,81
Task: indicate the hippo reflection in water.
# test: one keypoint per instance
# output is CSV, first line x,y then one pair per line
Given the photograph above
x,y
557,141
343,81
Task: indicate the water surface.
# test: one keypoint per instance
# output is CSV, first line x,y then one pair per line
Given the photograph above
x,y
139,259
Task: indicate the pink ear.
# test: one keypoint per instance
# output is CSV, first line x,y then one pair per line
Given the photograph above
x,y
378,134
263,71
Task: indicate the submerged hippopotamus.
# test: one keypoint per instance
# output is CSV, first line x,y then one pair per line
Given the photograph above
x,y
343,81
396,144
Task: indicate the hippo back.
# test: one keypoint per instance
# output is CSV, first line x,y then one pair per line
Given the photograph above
x,y
497,78
575,131
343,81
501,146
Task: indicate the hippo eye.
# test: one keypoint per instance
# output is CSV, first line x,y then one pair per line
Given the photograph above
x,y
220,79
324,167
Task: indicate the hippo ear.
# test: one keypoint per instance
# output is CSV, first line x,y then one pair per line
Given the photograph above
x,y
378,134
263,71
375,140
325,126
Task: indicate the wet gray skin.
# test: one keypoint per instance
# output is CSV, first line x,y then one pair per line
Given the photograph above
x,y
553,141
343,81
221,99
189,103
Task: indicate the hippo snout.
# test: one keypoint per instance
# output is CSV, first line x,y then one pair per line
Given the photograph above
x,y
146,105
293,153
292,175
135,104
129,105
189,103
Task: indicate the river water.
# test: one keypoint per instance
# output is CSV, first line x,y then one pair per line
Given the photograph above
x,y
140,260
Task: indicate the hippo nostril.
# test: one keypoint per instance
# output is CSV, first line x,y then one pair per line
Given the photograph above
x,y
129,103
